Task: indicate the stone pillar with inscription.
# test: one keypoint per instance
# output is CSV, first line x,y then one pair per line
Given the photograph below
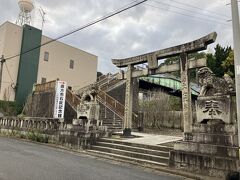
x,y
186,97
128,113
213,149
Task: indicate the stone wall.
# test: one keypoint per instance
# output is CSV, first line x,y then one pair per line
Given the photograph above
x,y
166,119
40,104
49,130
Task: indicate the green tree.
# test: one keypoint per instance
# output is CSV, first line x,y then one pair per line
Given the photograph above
x,y
228,64
215,61
192,72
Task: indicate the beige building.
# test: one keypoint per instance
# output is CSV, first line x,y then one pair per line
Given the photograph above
x,y
53,61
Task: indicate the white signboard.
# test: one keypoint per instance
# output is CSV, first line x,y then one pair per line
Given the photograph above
x,y
59,105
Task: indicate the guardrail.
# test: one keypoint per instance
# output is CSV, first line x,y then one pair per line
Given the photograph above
x,y
29,123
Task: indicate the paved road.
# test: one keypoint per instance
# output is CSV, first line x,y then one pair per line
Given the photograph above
x,y
21,160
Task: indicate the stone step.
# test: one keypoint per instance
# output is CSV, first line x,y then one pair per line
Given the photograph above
x,y
113,125
109,116
126,158
216,139
117,122
133,154
134,149
114,128
107,113
112,121
153,147
210,149
108,123
194,161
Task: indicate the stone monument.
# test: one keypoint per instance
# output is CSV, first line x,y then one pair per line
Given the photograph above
x,y
88,111
213,148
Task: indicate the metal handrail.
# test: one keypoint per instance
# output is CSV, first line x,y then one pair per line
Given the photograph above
x,y
113,104
72,99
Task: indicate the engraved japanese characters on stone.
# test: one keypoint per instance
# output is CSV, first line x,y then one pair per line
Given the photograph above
x,y
212,108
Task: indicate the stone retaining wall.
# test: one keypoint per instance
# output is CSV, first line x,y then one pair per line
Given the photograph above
x,y
49,131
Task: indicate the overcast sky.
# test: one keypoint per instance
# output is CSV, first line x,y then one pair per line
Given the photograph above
x,y
154,25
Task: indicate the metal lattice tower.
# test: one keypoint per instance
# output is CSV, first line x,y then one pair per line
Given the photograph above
x,y
26,7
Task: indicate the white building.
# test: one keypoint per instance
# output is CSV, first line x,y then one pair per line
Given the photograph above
x,y
53,61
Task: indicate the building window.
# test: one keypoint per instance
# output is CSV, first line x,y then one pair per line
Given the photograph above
x,y
44,80
46,56
71,64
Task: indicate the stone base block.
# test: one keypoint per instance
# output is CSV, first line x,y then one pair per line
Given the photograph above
x,y
203,164
216,139
208,149
215,128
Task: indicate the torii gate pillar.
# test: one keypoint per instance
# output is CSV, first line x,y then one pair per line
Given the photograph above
x,y
128,113
186,96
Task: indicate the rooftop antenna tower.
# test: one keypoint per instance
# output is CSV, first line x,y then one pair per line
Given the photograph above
x,y
26,7
42,13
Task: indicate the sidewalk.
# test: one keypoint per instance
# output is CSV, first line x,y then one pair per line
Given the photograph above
x,y
150,139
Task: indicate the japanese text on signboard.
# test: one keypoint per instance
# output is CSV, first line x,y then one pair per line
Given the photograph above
x,y
60,99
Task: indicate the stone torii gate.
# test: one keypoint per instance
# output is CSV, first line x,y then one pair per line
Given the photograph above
x,y
153,68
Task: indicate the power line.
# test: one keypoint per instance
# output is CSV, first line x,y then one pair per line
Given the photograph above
x,y
187,15
195,7
188,10
81,28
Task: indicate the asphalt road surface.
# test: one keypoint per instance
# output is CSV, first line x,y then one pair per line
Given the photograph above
x,y
20,160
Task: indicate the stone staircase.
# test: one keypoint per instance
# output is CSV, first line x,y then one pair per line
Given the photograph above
x,y
147,155
111,110
111,120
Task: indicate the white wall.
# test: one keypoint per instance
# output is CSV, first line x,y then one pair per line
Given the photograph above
x,y
10,45
60,54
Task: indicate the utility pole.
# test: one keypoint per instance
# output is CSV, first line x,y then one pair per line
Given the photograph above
x,y
2,61
236,44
